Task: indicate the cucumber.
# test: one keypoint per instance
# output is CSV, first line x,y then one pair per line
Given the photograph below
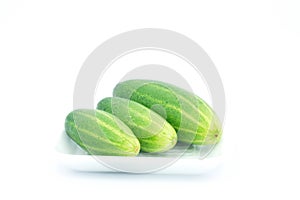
x,y
100,133
154,133
192,118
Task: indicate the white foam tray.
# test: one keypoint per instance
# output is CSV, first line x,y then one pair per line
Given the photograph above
x,y
72,156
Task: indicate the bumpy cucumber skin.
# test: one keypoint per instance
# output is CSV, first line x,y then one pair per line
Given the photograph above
x,y
192,118
154,133
100,133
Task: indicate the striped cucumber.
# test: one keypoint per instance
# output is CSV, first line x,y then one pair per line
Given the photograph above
x,y
193,119
100,133
154,133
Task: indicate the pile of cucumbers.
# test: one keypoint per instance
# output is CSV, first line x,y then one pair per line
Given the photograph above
x,y
143,115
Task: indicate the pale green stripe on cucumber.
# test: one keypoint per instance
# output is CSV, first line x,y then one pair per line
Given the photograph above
x,y
176,109
182,97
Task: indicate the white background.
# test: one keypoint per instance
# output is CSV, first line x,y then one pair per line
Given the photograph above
x,y
254,44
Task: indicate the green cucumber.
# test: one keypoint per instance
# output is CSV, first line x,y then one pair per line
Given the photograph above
x,y
193,119
154,133
100,133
